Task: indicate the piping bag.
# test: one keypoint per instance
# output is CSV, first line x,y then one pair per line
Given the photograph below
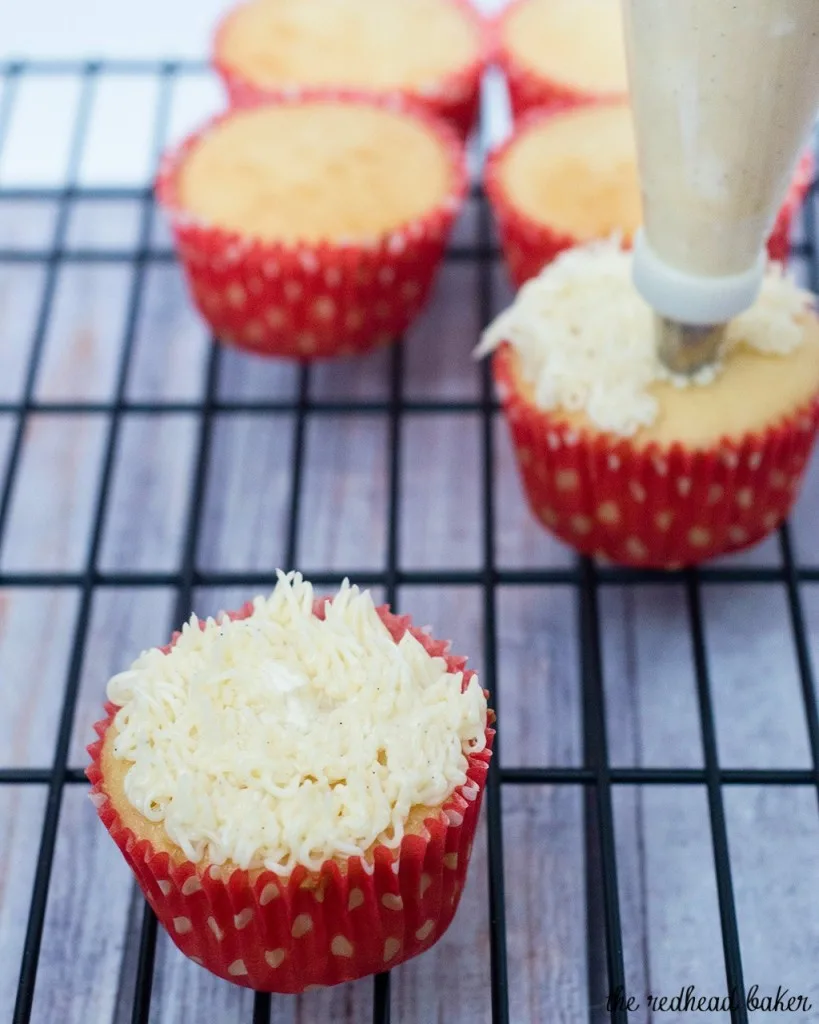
x,y
724,94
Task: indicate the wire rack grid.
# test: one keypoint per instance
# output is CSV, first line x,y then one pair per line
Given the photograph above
x,y
597,776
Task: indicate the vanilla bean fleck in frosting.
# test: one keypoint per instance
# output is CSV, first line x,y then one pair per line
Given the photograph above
x,y
585,337
284,739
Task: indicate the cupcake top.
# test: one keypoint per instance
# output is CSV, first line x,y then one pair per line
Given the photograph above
x,y
318,170
576,43
368,44
286,738
584,343
576,172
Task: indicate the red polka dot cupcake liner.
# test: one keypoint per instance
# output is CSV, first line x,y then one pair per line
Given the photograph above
x,y
349,920
454,98
532,90
653,507
528,245
303,300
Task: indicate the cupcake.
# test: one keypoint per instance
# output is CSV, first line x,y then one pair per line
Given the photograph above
x,y
626,463
296,786
429,52
313,227
561,53
567,178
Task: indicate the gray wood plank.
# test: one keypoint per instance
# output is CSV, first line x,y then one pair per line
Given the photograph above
x,y
247,501
344,1004
27,224
36,633
773,834
651,705
21,289
360,377
343,509
545,903
465,231
260,378
85,332
124,621
664,862
440,492
85,923
760,716
671,919
52,505
103,224
171,345
540,709
185,993
437,358
21,812
150,492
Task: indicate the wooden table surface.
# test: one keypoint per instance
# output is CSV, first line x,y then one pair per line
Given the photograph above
x,y
663,840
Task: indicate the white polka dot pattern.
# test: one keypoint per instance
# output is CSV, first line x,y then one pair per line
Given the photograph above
x,y
341,946
243,919
301,926
275,957
191,885
270,892
391,947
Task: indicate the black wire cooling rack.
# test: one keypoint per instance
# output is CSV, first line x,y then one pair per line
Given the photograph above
x,y
596,775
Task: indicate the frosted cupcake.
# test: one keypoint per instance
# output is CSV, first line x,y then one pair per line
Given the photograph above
x,y
429,52
296,786
559,53
564,179
313,227
625,463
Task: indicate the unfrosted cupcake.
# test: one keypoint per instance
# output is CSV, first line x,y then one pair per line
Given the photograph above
x,y
559,53
622,462
313,227
567,178
296,786
429,52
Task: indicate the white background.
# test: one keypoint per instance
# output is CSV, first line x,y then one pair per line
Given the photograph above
x,y
118,148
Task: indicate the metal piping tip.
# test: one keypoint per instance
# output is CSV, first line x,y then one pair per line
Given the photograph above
x,y
685,349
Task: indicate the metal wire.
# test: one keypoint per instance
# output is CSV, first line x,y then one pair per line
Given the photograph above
x,y
596,775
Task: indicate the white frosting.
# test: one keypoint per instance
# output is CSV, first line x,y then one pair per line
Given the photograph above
x,y
284,739
586,338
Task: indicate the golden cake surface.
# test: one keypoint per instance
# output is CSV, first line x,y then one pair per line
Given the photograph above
x,y
357,43
576,43
576,172
315,171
